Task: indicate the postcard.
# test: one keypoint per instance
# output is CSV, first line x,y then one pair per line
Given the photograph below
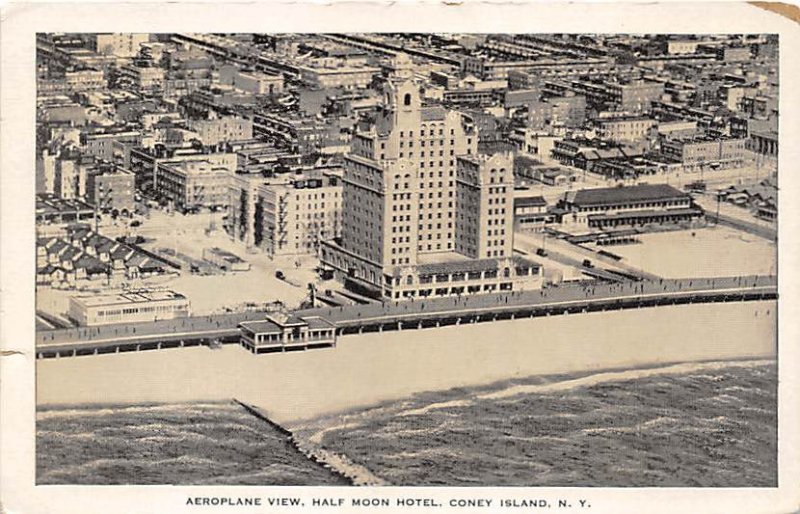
x,y
490,257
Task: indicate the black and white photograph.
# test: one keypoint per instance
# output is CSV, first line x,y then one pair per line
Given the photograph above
x,y
434,259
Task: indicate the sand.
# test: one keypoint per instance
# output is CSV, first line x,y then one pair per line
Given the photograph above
x,y
711,252
370,368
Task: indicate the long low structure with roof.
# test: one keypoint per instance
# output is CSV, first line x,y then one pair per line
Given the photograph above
x,y
463,277
637,205
128,307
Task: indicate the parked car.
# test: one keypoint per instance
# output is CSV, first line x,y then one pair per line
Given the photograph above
x,y
279,275
541,252
587,263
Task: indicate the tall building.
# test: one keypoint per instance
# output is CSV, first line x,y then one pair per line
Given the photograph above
x,y
399,180
286,216
485,206
64,174
416,194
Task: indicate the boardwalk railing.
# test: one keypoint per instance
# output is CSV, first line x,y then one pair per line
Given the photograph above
x,y
417,314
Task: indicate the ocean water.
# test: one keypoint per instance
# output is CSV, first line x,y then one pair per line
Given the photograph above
x,y
702,424
200,443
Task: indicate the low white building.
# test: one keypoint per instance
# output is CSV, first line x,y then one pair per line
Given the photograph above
x,y
127,307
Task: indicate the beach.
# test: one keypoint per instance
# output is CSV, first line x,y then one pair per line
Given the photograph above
x,y
370,368
713,251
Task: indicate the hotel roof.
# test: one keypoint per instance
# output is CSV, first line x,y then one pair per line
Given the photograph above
x,y
433,113
471,265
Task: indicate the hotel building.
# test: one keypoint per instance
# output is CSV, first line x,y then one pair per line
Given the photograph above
x,y
416,194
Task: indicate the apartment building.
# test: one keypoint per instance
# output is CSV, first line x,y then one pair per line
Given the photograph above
x,y
194,184
626,129
221,130
64,174
286,215
110,188
78,81
705,151
109,145
144,78
321,74
250,82
119,45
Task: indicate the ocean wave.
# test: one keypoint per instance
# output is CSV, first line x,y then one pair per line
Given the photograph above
x,y
316,437
139,463
724,398
55,434
443,405
536,438
171,408
620,376
268,474
422,453
757,410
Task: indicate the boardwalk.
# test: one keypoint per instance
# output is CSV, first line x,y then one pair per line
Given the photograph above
x,y
563,295
571,298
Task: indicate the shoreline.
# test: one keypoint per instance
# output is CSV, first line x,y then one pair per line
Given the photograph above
x,y
655,369
369,369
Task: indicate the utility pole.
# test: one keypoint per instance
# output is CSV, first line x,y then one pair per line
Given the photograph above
x,y
544,241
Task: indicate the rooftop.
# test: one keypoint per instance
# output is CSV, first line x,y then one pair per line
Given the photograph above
x,y
277,322
48,203
613,195
471,265
262,327
433,113
127,297
530,201
643,213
